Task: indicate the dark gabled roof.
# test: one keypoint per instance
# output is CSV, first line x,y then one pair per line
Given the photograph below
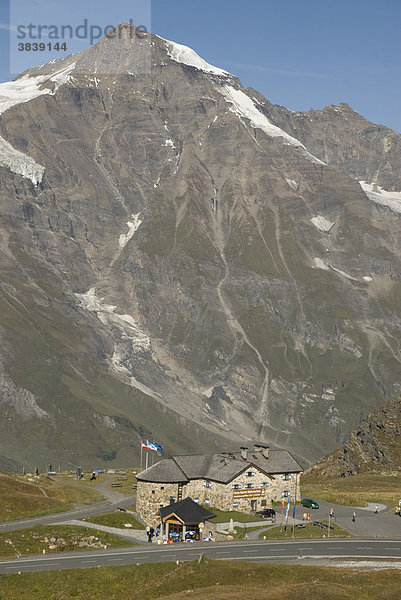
x,y
187,511
217,467
221,468
279,461
165,471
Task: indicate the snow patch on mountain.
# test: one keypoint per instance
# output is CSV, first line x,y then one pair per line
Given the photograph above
x,y
320,264
19,399
63,76
17,92
128,337
21,90
28,87
293,184
343,273
376,193
187,56
118,361
20,163
322,224
243,106
132,227
126,325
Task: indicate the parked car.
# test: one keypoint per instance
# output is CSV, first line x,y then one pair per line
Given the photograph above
x,y
267,513
309,503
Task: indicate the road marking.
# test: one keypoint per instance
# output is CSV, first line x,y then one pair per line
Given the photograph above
x,y
267,557
222,552
20,567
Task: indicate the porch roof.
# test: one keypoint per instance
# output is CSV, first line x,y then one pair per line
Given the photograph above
x,y
187,511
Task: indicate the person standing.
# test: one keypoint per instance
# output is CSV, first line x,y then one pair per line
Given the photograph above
x,y
354,516
377,509
148,534
151,534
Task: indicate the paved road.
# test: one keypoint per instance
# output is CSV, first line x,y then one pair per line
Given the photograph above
x,y
367,523
76,513
278,552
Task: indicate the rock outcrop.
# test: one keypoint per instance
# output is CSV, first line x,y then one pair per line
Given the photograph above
x,y
374,446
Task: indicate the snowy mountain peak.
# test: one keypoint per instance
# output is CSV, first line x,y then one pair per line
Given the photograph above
x,y
187,56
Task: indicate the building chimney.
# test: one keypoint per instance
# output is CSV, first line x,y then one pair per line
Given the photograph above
x,y
265,451
244,452
258,448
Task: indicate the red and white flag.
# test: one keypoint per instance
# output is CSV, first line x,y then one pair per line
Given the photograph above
x,y
145,446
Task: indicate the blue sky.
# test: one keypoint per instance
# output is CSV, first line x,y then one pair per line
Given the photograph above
x,y
299,53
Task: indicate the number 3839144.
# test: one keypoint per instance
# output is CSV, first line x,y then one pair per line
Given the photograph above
x,y
42,47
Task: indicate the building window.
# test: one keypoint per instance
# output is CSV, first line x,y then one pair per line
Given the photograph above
x,y
264,484
236,486
162,487
250,474
285,493
207,502
153,491
286,477
235,504
207,483
248,486
196,500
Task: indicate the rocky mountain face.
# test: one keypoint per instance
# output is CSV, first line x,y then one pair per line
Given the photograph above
x,y
182,260
374,446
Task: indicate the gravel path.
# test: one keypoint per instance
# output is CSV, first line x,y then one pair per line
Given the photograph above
x,y
136,535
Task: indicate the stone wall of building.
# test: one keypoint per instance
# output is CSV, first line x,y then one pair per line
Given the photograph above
x,y
150,496
235,495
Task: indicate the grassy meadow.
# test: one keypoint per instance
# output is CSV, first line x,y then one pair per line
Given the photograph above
x,y
209,580
21,498
55,538
356,490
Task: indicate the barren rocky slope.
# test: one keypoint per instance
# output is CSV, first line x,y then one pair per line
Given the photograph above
x,y
374,447
176,266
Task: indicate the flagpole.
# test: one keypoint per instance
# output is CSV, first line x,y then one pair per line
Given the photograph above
x,y
141,455
147,454
293,521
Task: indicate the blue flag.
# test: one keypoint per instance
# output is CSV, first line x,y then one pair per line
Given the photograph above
x,y
155,447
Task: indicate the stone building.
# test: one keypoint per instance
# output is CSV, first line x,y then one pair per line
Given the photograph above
x,y
247,481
